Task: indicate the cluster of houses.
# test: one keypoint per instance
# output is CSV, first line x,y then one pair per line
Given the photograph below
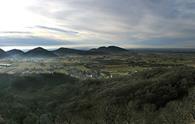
x,y
88,74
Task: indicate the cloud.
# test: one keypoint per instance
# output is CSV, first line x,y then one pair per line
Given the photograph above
x,y
129,22
31,41
15,32
58,30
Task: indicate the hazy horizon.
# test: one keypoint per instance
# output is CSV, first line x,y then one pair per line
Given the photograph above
x,y
26,48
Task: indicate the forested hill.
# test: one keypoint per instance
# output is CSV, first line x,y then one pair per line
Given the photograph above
x,y
157,96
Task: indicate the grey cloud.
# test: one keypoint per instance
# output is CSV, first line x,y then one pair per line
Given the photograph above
x,y
128,20
58,30
30,41
15,32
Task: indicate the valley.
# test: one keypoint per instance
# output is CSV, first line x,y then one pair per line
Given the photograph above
x,y
93,65
99,86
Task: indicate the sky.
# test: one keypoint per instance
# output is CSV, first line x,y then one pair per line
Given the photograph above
x,y
93,23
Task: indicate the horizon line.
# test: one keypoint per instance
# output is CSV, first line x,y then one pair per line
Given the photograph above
x,y
26,48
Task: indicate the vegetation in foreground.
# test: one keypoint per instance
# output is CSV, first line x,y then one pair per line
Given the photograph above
x,y
156,96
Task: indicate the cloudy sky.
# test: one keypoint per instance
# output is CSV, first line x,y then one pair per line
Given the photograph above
x,y
87,23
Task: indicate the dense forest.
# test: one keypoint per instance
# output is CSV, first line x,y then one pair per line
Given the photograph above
x,y
156,96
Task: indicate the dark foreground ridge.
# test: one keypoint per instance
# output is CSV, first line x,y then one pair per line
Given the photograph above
x,y
156,96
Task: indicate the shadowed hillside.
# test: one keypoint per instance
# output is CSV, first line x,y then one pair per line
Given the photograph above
x,y
155,96
68,51
2,52
43,53
14,53
39,52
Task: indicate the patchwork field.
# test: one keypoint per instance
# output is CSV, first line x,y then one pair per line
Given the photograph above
x,y
95,66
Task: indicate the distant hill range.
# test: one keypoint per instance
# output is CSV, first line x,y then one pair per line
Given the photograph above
x,y
68,51
2,53
14,53
110,49
40,52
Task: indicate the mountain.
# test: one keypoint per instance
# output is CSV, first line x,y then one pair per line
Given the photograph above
x,y
14,53
109,49
2,53
39,52
67,51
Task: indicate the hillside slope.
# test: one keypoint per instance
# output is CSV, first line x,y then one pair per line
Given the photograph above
x,y
68,51
155,96
14,53
39,52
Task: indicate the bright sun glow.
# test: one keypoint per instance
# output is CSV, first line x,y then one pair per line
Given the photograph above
x,y
14,15
18,16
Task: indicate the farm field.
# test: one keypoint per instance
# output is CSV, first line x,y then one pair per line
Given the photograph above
x,y
95,66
